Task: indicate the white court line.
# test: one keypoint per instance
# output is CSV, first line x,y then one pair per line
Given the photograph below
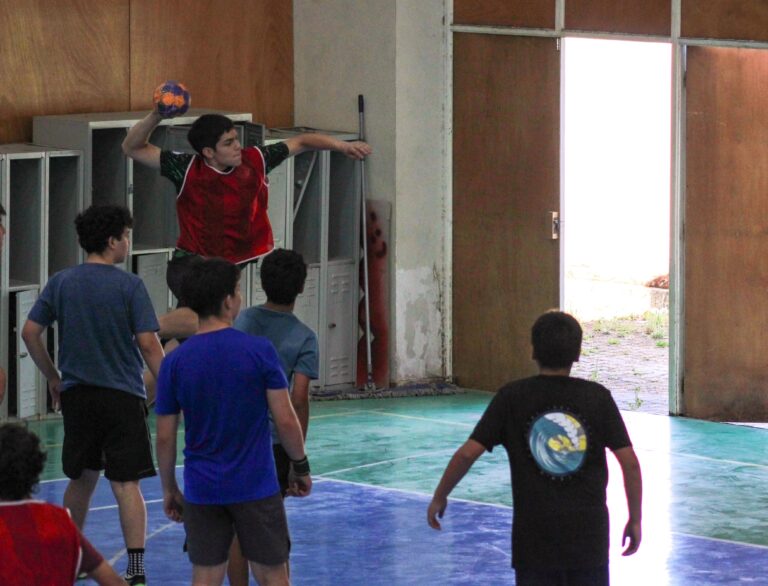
x,y
339,414
115,558
443,421
107,507
719,540
428,497
705,458
382,462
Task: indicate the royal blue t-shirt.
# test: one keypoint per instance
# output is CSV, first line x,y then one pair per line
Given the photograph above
x,y
220,380
99,309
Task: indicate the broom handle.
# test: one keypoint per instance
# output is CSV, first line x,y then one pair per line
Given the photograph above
x,y
364,217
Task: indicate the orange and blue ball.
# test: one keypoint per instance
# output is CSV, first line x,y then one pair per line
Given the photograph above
x,y
171,99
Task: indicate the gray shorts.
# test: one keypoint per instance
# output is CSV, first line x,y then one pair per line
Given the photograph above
x,y
261,527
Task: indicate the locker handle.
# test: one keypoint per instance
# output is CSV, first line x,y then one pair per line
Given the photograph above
x,y
331,326
23,354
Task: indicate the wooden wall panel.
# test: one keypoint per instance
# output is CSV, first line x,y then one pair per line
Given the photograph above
x,y
60,57
506,181
521,13
237,58
725,19
650,17
726,235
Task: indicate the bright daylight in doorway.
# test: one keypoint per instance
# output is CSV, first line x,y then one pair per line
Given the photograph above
x,y
617,150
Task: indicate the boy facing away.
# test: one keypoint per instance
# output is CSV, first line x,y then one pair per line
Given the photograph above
x,y
283,273
106,326
227,383
555,429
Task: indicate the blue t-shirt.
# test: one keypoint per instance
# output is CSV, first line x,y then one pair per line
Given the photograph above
x,y
220,381
99,309
296,343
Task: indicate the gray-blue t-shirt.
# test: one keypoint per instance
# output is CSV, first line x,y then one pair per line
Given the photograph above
x,y
295,342
99,309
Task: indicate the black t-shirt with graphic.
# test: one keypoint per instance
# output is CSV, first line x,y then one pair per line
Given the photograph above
x,y
555,430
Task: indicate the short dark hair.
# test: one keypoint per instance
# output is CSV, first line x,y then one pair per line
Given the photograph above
x,y
556,339
283,273
98,223
21,462
207,130
207,285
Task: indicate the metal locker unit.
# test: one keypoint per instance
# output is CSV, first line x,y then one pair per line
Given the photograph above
x,y
325,230
24,270
24,379
64,189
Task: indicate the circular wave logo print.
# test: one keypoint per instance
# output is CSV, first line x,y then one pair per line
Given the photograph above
x,y
558,443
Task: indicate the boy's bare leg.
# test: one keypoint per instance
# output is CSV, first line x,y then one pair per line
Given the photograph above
x,y
270,575
208,575
237,570
77,496
133,512
179,323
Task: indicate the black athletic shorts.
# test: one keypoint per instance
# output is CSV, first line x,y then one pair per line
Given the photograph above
x,y
282,466
261,527
105,429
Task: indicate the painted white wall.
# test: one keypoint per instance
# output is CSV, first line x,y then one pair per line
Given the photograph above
x,y
393,52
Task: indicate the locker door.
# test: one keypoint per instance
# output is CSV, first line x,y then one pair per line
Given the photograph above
x,y
27,381
278,203
258,297
151,269
307,304
340,307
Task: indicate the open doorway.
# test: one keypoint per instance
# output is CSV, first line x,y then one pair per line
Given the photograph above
x,y
617,108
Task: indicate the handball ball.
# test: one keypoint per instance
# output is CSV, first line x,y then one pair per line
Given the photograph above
x,y
171,99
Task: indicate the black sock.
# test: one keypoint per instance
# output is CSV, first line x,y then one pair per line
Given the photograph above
x,y
135,562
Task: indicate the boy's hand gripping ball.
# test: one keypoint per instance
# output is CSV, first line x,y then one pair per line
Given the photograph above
x,y
171,99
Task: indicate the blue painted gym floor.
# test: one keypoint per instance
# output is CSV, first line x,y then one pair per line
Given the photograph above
x,y
376,462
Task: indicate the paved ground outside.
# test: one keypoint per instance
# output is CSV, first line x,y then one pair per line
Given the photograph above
x,y
629,355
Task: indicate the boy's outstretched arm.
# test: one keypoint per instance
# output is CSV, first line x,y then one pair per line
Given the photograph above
x,y
633,487
316,142
459,465
136,144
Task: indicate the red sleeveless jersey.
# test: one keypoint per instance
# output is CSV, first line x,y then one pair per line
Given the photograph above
x,y
39,545
224,214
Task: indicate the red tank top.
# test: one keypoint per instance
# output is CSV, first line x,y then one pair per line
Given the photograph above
x,y
40,545
224,214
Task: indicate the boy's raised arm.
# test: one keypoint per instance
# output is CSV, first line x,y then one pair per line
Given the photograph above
x,y
136,143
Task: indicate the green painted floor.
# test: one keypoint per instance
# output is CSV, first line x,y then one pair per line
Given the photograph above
x,y
701,479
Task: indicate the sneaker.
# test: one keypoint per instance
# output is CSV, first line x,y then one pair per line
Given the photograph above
x,y
137,580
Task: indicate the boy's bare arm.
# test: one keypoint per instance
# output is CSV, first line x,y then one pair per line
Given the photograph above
x,y
289,431
32,334
315,142
300,400
457,468
633,487
136,144
173,501
151,351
